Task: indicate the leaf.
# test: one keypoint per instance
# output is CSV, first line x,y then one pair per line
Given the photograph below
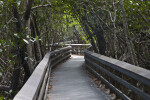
x,y
1,50
18,2
14,56
32,40
10,91
26,41
17,35
1,98
1,74
137,26
37,37
28,36
31,59
25,58
15,20
1,2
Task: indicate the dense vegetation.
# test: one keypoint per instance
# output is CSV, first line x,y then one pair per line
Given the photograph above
x,y
115,28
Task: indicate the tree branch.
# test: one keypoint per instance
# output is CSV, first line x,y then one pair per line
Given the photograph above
x,y
4,88
5,26
16,15
36,7
46,5
28,10
144,18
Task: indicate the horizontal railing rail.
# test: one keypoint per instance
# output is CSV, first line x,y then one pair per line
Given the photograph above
x,y
37,85
126,80
77,49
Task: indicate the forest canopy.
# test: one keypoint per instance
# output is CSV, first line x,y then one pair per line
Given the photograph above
x,y
116,28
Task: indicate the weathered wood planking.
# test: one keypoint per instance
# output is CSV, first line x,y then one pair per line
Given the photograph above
x,y
140,74
35,87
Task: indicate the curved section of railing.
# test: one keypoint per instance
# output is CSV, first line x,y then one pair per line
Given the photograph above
x,y
126,80
36,86
77,49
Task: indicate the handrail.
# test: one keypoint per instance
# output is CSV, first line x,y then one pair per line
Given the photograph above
x,y
77,49
36,86
116,75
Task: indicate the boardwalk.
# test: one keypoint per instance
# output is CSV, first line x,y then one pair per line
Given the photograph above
x,y
70,82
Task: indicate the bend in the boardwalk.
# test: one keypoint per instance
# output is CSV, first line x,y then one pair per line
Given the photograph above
x,y
70,82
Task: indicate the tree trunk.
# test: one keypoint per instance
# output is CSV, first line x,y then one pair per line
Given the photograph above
x,y
29,47
18,49
38,34
127,36
98,31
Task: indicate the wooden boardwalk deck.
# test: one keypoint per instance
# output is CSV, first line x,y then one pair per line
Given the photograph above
x,y
70,82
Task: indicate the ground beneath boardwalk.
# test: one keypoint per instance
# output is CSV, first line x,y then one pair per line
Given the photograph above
x,y
70,82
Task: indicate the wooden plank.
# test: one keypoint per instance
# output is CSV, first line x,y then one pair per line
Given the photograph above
x,y
120,80
47,85
30,90
38,79
78,44
133,71
122,95
44,83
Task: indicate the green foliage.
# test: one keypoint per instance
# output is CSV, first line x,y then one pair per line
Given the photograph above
x,y
1,98
66,20
137,13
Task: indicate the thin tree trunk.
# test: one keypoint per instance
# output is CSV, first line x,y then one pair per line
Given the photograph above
x,y
38,34
98,31
35,43
29,47
127,36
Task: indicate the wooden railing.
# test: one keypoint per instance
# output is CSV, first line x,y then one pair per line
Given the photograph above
x,y
77,49
125,80
36,86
